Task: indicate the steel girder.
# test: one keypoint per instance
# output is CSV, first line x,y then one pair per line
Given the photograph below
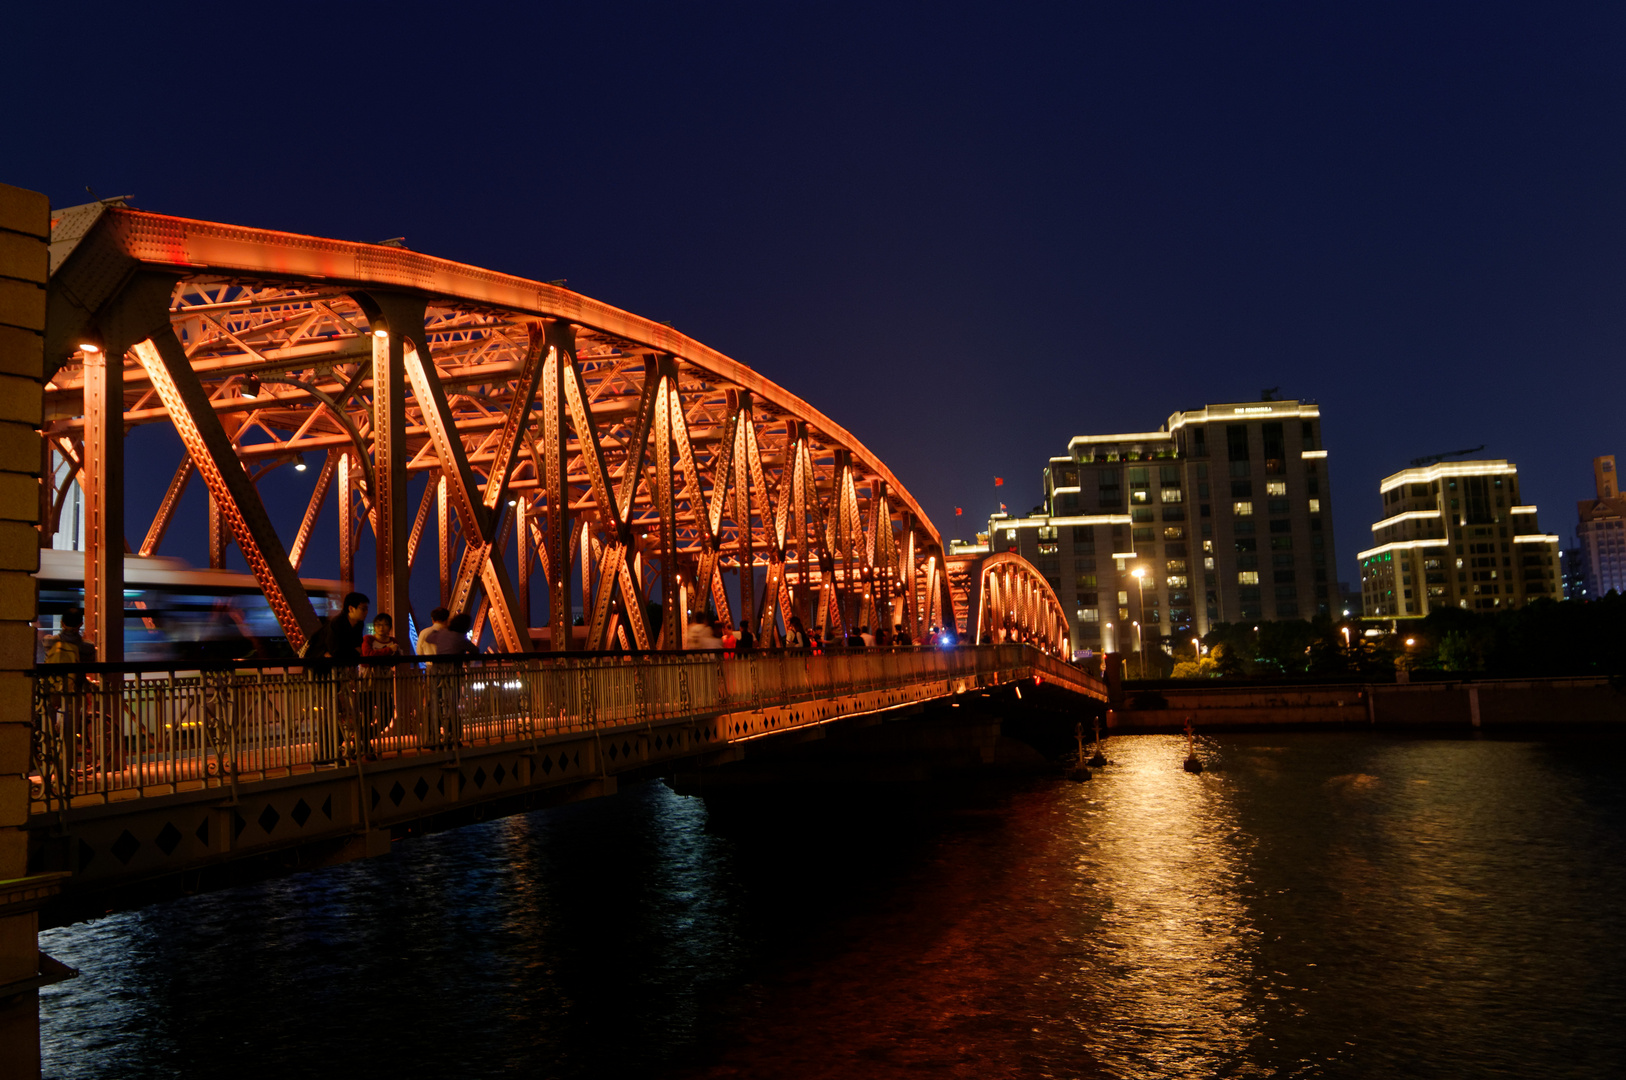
x,y
601,434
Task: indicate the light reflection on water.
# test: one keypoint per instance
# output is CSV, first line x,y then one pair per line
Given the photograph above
x,y
1316,905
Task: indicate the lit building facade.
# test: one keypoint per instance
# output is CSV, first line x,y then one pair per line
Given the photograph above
x,y
1226,511
1602,532
1456,534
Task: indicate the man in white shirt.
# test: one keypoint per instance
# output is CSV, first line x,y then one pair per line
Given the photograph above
x,y
437,621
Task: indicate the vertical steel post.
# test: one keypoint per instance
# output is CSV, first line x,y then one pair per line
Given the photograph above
x,y
389,488
556,488
443,525
667,414
104,503
522,584
742,504
347,532
217,536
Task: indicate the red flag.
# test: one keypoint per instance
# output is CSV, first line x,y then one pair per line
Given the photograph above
x,y
1001,508
957,511
999,481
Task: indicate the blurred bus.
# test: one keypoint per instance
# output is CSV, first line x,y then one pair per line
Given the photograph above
x,y
175,612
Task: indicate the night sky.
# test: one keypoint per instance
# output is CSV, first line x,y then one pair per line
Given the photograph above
x,y
966,232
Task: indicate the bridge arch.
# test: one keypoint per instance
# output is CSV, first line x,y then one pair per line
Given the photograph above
x,y
1016,603
620,460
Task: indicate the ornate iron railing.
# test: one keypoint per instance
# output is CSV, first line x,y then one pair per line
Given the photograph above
x,y
117,731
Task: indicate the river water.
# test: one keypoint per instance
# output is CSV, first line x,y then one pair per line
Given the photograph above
x,y
1338,905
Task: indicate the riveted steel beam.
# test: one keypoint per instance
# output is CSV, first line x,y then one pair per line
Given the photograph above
x,y
222,471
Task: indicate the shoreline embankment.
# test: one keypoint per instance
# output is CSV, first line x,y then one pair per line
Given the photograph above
x,y
1485,705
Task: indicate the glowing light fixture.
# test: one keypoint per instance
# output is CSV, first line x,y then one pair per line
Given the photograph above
x,y
299,466
89,347
381,333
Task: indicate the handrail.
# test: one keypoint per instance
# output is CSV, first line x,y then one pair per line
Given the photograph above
x,y
130,729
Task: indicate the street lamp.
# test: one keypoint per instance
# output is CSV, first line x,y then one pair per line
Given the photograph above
x,y
1140,587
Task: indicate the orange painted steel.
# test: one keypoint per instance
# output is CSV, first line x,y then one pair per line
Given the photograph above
x,y
1016,603
659,460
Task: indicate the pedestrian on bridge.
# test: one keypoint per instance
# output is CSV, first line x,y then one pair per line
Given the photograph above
x,y
795,634
901,639
745,640
437,621
338,641
380,712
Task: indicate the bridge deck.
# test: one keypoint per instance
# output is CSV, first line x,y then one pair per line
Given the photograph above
x,y
140,773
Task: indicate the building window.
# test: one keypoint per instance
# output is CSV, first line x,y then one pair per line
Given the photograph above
x,y
1171,495
1277,506
1089,614
1143,532
1248,577
1047,549
1208,562
1242,509
1177,566
1140,513
1315,506
1174,532
1139,496
1275,487
1048,532
1236,441
1177,581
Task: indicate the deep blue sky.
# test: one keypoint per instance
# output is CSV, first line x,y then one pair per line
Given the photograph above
x,y
965,232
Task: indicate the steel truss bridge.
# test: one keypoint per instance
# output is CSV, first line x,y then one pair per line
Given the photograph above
x,y
555,432
610,457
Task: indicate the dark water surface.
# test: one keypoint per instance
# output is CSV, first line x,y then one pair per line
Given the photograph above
x,y
1314,905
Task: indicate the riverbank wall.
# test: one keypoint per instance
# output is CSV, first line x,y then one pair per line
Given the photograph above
x,y
1467,705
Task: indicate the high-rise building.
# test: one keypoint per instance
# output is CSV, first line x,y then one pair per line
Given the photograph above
x,y
1602,532
1456,534
1226,512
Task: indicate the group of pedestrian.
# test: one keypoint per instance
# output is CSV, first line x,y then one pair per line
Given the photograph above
x,y
367,699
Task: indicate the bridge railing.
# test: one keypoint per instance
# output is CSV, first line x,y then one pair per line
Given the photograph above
x,y
110,732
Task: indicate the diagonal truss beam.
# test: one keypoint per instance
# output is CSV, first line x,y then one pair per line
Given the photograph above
x,y
210,448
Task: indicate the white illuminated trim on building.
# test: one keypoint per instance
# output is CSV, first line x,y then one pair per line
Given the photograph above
x,y
1140,436
960,547
1499,467
1124,555
1249,410
1523,510
1312,455
1403,545
1062,490
1038,522
1407,516
1536,538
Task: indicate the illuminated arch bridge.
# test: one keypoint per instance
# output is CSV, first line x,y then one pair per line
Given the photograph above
x,y
619,459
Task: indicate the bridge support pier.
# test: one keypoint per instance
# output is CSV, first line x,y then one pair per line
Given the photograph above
x,y
25,229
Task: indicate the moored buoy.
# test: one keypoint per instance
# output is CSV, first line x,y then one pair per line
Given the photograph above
x,y
1193,765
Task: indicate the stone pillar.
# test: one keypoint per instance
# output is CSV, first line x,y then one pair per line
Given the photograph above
x,y
25,226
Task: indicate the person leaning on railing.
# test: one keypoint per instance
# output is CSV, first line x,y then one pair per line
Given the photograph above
x,y
380,711
338,642
450,640
68,646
